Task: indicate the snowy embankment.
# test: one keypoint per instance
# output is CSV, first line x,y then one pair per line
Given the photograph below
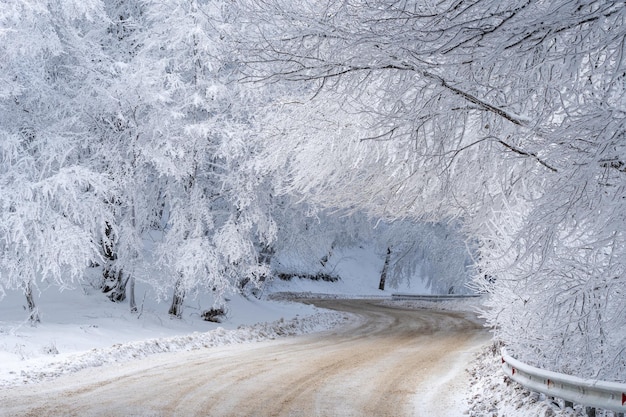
x,y
218,337
97,332
492,394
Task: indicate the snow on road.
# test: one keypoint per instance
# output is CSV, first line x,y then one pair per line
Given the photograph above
x,y
392,362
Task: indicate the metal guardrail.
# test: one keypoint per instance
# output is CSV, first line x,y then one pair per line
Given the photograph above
x,y
432,297
588,392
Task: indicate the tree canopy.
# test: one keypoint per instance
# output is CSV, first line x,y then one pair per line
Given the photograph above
x,y
507,116
194,137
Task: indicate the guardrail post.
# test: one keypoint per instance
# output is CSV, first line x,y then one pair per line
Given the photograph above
x,y
591,411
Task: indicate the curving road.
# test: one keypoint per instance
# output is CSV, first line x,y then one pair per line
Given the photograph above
x,y
392,362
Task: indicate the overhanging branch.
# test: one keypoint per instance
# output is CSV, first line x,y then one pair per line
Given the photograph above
x,y
524,153
473,99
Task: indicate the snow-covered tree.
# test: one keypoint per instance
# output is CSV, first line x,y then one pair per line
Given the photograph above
x,y
310,243
191,121
52,202
121,125
509,117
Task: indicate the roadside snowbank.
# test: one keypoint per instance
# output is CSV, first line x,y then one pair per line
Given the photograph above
x,y
139,349
81,329
492,394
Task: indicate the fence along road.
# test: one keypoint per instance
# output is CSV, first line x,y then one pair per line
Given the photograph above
x,y
390,362
587,392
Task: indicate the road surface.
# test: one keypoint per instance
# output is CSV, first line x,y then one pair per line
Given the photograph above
x,y
392,362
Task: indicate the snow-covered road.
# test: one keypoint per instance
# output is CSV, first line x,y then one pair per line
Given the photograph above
x,y
391,362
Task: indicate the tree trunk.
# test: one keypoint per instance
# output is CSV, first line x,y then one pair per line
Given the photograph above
x,y
265,258
383,274
131,290
265,255
326,257
115,286
110,277
33,316
176,309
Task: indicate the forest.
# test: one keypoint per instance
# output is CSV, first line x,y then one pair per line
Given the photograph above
x,y
186,144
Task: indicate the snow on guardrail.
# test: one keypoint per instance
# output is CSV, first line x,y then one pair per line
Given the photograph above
x,y
587,392
432,297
